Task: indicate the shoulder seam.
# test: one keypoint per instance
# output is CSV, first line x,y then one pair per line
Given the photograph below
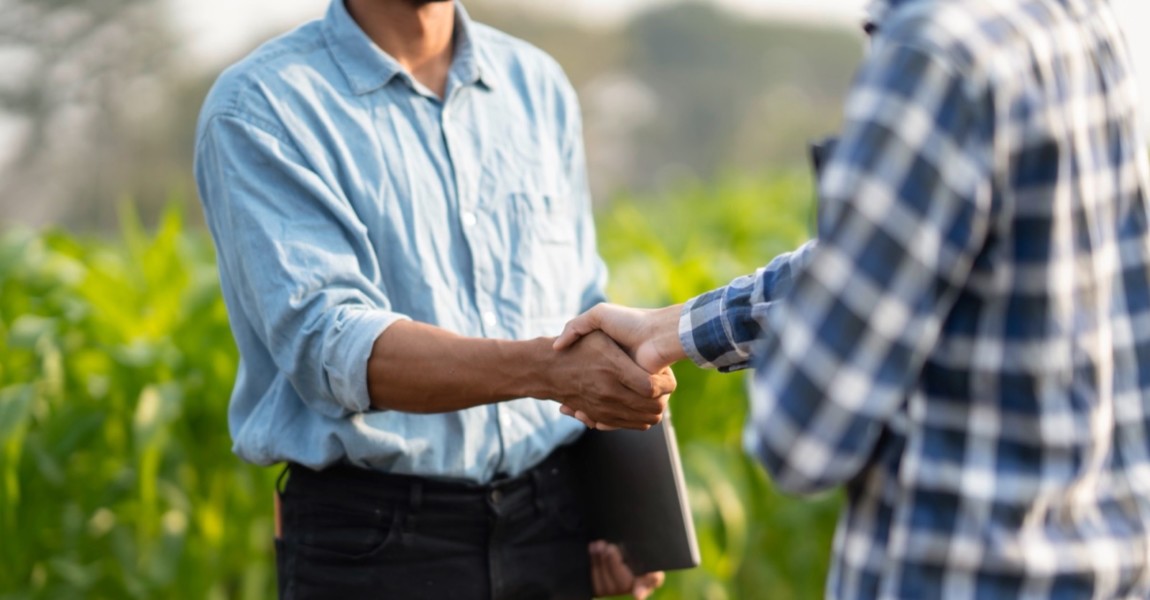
x,y
267,126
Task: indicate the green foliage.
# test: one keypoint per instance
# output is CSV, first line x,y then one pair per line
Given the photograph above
x,y
116,478
116,364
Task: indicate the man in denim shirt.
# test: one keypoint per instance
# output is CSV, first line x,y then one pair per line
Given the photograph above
x,y
398,199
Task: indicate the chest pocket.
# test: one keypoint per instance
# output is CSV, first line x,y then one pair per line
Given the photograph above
x,y
547,257
546,218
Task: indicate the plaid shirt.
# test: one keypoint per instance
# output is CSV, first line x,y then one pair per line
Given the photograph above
x,y
967,348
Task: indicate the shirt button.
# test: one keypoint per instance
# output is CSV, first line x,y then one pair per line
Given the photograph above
x,y
496,496
469,219
489,319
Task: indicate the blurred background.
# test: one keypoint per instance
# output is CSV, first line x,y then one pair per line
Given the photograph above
x,y
98,98
116,362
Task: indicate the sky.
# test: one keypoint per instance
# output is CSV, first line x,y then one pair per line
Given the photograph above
x,y
217,29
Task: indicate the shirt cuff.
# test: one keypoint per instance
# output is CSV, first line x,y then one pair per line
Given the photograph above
x,y
348,353
720,328
706,333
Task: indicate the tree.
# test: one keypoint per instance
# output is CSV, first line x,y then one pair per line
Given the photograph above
x,y
734,94
80,75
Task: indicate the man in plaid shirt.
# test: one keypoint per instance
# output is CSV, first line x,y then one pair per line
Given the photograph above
x,y
967,347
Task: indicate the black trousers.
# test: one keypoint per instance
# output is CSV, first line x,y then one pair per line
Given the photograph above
x,y
353,533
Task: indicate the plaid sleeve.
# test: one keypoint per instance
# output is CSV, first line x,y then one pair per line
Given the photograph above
x,y
718,329
906,198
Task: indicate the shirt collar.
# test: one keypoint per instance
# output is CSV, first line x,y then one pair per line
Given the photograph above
x,y
368,68
875,11
470,65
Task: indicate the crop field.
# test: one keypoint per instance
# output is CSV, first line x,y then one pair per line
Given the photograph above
x,y
116,362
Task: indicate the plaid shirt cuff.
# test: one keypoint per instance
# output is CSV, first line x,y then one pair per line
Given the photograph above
x,y
717,328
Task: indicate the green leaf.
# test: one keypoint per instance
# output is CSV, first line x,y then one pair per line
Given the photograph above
x,y
28,330
15,409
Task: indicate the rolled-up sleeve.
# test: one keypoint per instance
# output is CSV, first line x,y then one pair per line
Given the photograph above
x,y
296,263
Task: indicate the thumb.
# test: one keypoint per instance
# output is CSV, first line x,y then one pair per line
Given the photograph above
x,y
648,357
577,328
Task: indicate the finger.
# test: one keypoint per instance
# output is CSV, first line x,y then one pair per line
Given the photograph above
x,y
619,575
598,581
577,414
620,407
577,328
637,379
647,584
663,382
619,417
640,415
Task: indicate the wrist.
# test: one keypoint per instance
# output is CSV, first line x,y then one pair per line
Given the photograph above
x,y
666,336
532,363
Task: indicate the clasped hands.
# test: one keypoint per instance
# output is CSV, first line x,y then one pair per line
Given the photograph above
x,y
650,337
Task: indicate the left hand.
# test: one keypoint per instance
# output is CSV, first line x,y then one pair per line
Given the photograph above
x,y
610,576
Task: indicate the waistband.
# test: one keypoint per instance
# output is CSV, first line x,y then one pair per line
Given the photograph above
x,y
554,475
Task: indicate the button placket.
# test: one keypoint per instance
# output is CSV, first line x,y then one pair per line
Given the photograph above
x,y
470,220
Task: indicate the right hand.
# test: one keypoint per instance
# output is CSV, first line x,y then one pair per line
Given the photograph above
x,y
651,336
593,376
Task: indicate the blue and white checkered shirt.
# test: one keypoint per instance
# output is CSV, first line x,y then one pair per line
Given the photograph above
x,y
967,348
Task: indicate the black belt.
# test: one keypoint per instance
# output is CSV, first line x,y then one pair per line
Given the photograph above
x,y
555,474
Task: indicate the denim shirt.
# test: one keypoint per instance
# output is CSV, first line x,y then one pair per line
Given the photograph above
x,y
344,196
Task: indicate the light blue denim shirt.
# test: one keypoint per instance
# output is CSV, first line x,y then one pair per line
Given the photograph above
x,y
344,196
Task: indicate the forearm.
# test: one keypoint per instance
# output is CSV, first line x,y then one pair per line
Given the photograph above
x,y
419,368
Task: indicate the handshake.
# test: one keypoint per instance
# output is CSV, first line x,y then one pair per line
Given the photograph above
x,y
627,353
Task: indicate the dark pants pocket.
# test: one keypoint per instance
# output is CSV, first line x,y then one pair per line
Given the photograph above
x,y
282,575
335,548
